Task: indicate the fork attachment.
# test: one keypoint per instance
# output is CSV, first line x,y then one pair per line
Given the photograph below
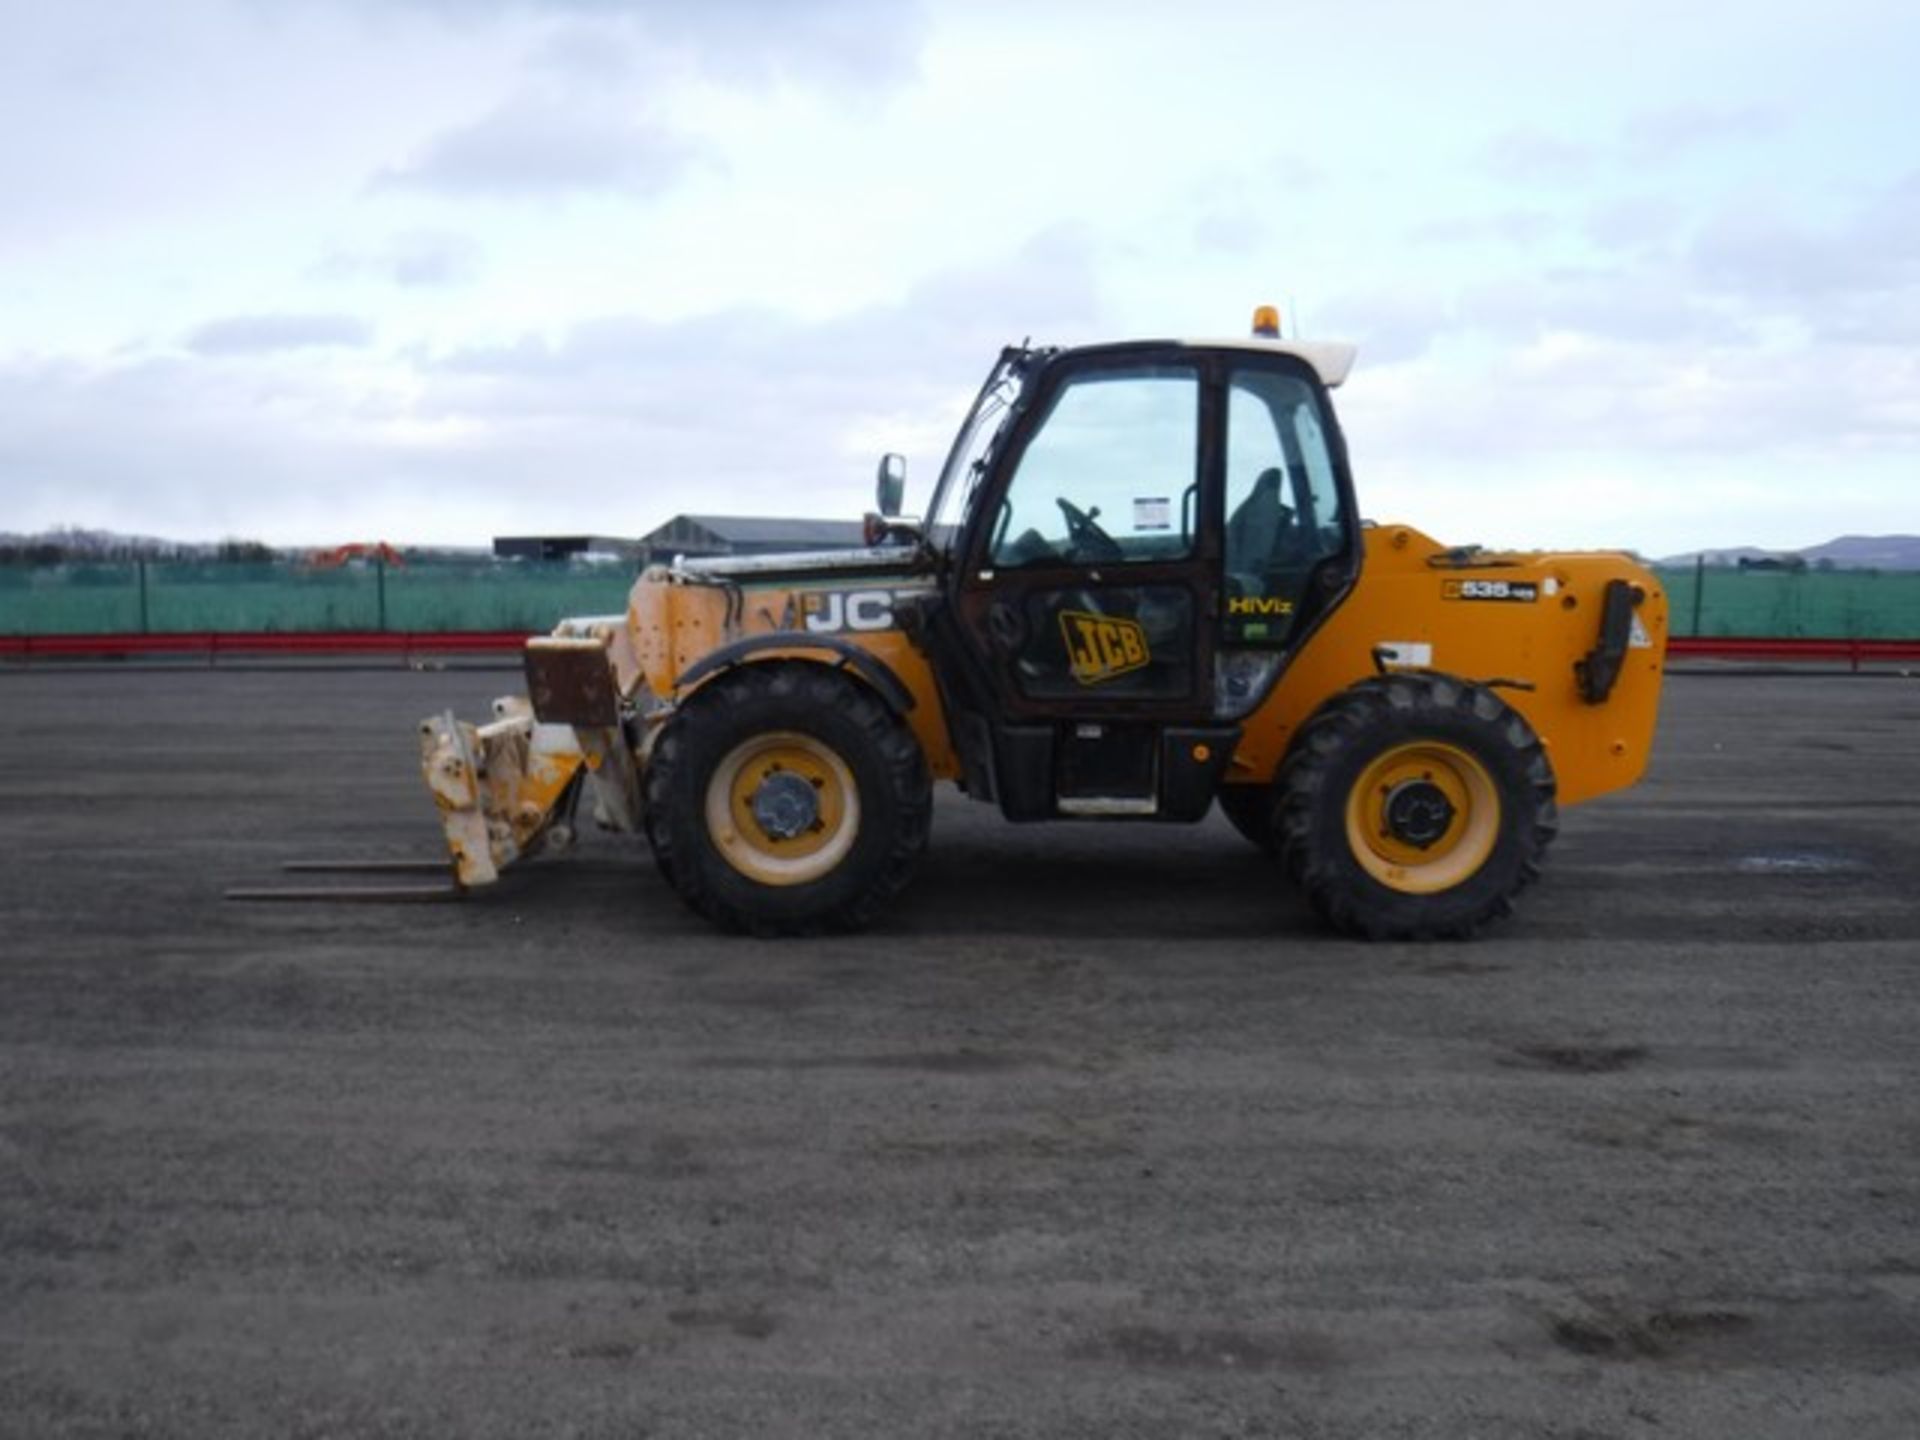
x,y
508,788
448,889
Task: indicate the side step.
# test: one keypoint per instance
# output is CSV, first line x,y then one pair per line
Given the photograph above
x,y
448,890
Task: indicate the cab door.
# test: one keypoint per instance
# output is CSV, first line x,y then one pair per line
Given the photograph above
x,y
1090,584
1291,538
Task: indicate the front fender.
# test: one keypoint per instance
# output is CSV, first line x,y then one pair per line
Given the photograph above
x,y
800,645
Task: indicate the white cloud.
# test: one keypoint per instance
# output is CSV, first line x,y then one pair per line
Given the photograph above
x,y
412,259
1658,135
1774,254
535,148
264,334
610,426
1520,226
752,42
663,252
1532,157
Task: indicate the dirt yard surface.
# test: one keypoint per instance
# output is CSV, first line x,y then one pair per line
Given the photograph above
x,y
1097,1135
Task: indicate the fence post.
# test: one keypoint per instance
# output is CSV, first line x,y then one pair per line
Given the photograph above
x,y
1699,584
141,566
380,592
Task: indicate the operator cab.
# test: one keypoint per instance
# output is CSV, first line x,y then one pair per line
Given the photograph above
x,y
1134,539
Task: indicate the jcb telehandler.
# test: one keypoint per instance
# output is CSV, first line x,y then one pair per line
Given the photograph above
x,y
1142,586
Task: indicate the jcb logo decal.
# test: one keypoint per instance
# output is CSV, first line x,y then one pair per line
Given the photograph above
x,y
1259,605
831,610
1100,647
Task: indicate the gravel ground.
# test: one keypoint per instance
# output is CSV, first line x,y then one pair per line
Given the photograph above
x,y
1096,1135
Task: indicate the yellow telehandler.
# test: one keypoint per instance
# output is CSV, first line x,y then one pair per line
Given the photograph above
x,y
1141,586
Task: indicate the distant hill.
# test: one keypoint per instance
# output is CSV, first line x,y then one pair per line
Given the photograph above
x,y
1868,552
1847,552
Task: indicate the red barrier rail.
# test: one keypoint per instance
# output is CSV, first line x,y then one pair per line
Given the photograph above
x,y
214,644
1745,647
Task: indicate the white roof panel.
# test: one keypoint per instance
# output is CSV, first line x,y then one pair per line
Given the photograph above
x,y
1331,360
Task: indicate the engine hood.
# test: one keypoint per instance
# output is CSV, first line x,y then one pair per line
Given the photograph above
x,y
876,559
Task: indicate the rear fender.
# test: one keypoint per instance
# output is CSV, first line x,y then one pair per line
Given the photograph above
x,y
1573,641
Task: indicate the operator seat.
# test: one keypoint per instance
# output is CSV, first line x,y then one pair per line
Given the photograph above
x,y
1253,532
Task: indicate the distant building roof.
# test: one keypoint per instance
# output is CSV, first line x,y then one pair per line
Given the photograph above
x,y
765,530
694,535
748,534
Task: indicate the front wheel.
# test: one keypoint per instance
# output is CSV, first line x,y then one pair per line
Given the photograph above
x,y
786,799
1415,806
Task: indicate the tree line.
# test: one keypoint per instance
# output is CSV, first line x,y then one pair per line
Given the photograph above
x,y
88,548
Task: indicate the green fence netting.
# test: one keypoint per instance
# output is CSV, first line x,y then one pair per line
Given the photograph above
x,y
1794,604
159,599
162,598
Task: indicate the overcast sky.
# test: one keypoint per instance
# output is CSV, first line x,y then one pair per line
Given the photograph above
x,y
433,270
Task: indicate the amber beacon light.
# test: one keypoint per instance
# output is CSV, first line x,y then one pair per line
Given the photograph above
x,y
1266,322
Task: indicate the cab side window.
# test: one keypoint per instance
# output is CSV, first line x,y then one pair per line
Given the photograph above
x,y
1110,476
1282,504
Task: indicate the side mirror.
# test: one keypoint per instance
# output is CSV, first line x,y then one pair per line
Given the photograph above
x,y
890,484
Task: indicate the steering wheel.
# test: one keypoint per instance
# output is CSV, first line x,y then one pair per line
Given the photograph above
x,y
1085,539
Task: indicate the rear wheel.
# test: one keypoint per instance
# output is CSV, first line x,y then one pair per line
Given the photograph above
x,y
1415,806
786,799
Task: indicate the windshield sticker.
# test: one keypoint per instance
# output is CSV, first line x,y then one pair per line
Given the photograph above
x,y
1154,512
1100,647
1403,655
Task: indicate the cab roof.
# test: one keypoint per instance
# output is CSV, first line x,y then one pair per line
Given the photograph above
x,y
1331,360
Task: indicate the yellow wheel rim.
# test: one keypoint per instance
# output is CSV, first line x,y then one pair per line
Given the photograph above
x,y
1386,850
782,808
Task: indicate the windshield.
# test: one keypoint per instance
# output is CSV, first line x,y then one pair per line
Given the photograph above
x,y
974,446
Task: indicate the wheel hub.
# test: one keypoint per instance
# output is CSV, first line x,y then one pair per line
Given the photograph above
x,y
785,805
1418,813
1423,816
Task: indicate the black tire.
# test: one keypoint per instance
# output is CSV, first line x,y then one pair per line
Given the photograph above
x,y
1428,871
1253,811
873,804
660,846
